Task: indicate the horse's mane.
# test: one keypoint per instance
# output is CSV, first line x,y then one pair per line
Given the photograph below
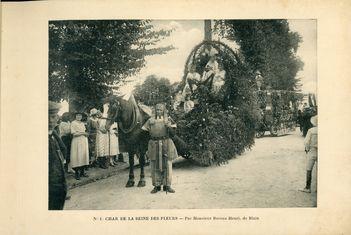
x,y
131,110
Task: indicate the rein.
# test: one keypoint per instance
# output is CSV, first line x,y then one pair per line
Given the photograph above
x,y
133,117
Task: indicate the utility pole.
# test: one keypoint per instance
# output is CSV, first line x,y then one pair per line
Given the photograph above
x,y
208,30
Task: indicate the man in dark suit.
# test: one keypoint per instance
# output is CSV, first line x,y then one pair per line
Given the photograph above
x,y
57,153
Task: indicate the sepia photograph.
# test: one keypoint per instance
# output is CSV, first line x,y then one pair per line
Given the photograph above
x,y
175,117
182,114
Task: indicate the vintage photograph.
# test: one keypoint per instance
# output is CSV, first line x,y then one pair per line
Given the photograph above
x,y
182,114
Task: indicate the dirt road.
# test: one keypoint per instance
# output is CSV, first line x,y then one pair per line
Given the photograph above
x,y
267,176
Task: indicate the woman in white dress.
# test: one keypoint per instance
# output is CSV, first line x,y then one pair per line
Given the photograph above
x,y
79,147
113,143
106,141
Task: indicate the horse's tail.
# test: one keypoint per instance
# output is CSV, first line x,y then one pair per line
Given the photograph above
x,y
182,147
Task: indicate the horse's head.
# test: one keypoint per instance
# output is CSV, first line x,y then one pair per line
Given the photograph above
x,y
113,111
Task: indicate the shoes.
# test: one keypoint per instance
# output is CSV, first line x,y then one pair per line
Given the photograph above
x,y
156,189
77,176
168,189
305,190
70,171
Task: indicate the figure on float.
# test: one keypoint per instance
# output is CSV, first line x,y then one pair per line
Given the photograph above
x,y
218,79
211,68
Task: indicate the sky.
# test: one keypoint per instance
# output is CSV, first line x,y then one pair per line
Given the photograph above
x,y
188,33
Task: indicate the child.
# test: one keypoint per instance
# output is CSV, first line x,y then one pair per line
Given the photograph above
x,y
161,149
311,141
188,104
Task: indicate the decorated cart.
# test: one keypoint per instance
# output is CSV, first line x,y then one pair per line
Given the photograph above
x,y
215,107
278,111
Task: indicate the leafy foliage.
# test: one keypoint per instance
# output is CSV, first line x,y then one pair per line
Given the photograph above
x,y
87,58
221,125
153,90
268,46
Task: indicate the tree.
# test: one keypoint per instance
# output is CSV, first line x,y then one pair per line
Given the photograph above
x,y
88,57
268,46
154,89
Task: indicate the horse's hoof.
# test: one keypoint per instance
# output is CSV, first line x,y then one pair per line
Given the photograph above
x,y
141,183
130,184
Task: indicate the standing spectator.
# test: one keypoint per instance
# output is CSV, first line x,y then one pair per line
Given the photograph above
x,y
113,144
161,149
299,119
311,148
79,147
102,140
107,146
57,152
92,126
65,134
307,113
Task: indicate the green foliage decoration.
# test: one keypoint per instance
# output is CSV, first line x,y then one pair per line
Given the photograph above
x,y
222,125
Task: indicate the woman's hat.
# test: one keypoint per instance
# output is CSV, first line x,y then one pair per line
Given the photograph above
x,y
314,120
66,117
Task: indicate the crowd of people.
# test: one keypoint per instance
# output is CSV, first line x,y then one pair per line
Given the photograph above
x,y
75,145
88,143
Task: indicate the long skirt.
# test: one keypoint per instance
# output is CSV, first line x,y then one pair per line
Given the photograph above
x,y
92,147
67,139
106,144
79,151
161,177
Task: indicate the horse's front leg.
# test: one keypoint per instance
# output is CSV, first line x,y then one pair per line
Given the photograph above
x,y
131,182
142,182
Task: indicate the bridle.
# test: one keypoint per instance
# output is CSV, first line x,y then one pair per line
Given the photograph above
x,y
114,108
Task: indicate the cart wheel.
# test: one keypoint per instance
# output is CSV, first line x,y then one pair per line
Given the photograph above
x,y
274,131
259,134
